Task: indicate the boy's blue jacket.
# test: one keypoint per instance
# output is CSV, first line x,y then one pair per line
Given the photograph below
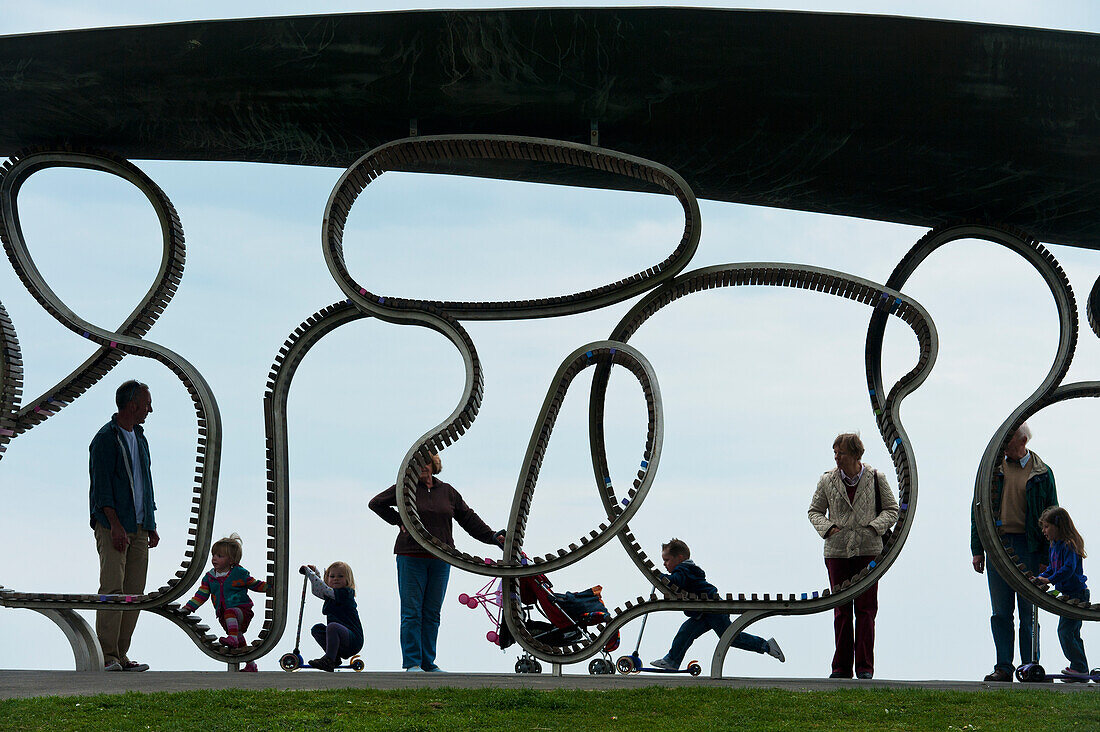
x,y
690,577
111,484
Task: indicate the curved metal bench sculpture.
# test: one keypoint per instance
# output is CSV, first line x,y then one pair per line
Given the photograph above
x,y
659,286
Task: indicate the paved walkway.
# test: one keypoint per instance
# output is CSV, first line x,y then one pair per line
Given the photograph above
x,y
15,684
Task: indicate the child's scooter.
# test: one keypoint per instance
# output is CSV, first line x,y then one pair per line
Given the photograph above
x,y
632,664
293,661
1034,673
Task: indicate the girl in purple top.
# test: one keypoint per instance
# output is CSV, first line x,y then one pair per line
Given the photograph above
x,y
1066,573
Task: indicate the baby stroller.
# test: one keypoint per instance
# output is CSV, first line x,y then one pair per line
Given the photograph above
x,y
567,619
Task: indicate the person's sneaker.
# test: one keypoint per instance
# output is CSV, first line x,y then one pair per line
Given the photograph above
x,y
435,670
112,666
665,663
415,669
250,667
324,663
999,674
865,675
775,651
839,675
1075,676
135,666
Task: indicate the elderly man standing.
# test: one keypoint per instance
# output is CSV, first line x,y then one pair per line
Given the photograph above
x,y
1023,486
121,501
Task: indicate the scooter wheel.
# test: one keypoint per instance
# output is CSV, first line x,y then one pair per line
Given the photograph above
x,y
625,664
694,669
289,662
1035,672
357,665
1019,674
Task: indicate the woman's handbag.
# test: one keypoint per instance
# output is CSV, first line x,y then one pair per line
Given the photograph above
x,y
889,533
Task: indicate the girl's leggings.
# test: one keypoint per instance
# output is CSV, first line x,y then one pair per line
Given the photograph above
x,y
334,638
235,620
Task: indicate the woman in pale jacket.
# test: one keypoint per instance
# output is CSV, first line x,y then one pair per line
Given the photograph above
x,y
845,512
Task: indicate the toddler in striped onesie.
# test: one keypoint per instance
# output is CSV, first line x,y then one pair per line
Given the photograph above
x,y
228,583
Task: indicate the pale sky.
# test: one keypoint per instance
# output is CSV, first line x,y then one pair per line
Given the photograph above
x,y
756,383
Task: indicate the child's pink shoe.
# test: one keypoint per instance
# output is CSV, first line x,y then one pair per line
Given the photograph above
x,y
250,667
230,641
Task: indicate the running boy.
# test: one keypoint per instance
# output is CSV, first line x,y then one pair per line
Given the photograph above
x,y
690,577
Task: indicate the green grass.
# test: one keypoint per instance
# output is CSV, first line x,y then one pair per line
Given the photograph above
x,y
653,708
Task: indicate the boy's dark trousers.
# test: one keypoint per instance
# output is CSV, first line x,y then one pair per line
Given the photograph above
x,y
718,622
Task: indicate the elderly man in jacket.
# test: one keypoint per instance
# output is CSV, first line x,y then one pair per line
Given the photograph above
x,y
1023,487
122,506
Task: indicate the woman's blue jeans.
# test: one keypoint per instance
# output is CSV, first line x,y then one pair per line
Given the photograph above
x,y
421,582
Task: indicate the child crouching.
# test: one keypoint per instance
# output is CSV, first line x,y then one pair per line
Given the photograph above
x,y
342,636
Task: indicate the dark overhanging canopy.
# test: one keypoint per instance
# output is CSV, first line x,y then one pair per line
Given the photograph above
x,y
913,121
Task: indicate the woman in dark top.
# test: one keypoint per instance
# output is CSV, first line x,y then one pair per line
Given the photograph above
x,y
422,578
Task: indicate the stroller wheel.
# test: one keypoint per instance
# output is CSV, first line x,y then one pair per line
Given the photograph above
x,y
595,666
289,662
536,667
